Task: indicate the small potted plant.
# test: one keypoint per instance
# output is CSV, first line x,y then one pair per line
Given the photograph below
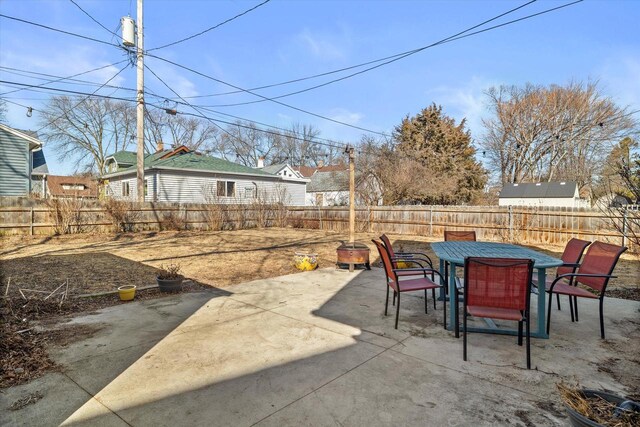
x,y
169,278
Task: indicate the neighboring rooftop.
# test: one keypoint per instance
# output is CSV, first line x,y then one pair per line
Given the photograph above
x,y
323,181
72,186
180,158
307,171
539,190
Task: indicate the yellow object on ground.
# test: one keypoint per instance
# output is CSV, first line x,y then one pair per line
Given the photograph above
x,y
305,262
127,292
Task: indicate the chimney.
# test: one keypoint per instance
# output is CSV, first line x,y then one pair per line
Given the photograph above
x,y
261,161
160,147
320,163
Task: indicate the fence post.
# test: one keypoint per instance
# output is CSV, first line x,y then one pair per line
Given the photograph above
x,y
510,224
624,226
370,219
431,220
32,217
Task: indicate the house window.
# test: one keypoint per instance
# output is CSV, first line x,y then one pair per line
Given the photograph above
x,y
249,192
125,189
226,188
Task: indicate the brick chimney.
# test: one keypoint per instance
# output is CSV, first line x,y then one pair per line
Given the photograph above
x,y
261,161
160,147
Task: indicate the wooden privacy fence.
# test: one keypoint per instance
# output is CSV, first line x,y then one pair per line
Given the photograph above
x,y
554,226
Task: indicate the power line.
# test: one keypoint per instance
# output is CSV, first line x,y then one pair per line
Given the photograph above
x,y
69,91
93,19
210,28
412,51
82,100
264,97
379,65
213,121
67,78
449,39
56,29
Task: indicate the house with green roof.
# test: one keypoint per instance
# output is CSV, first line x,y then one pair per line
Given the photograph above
x,y
181,175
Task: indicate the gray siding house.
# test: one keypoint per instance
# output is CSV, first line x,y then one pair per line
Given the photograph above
x,y
22,163
184,176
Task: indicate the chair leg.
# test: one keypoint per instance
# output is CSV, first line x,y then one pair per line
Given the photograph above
x,y
571,308
386,303
549,313
398,310
520,332
446,278
433,294
425,302
528,331
602,317
575,306
454,300
558,300
464,335
444,309
394,298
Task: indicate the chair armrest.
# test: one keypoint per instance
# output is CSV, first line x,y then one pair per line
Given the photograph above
x,y
572,275
420,255
410,260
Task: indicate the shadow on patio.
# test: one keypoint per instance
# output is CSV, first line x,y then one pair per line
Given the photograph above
x,y
316,349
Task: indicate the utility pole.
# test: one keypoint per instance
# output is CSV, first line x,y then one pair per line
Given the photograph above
x,y
352,195
140,107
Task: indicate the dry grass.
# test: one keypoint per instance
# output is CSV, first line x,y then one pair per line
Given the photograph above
x,y
596,408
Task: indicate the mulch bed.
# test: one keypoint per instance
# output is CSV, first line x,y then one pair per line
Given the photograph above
x,y
26,327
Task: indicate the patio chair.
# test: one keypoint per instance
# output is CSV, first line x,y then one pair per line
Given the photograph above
x,y
415,283
593,273
498,288
571,260
456,236
459,236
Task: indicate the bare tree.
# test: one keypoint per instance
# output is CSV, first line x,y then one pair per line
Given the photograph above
x,y
3,110
542,133
87,131
192,132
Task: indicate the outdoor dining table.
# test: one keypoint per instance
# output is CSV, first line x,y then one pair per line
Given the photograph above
x,y
454,253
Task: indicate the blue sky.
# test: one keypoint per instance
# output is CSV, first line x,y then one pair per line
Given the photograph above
x,y
286,39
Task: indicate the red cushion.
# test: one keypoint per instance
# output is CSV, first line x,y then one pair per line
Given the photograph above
x,y
564,289
494,312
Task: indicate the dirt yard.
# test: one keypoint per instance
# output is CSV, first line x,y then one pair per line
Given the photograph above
x,y
98,263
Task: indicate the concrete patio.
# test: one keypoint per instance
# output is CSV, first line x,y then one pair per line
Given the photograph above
x,y
316,349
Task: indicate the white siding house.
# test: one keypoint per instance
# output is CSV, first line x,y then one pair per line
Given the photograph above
x,y
556,194
183,176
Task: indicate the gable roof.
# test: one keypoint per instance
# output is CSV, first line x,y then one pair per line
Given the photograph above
x,y
186,160
29,136
539,190
308,171
55,186
274,169
329,181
